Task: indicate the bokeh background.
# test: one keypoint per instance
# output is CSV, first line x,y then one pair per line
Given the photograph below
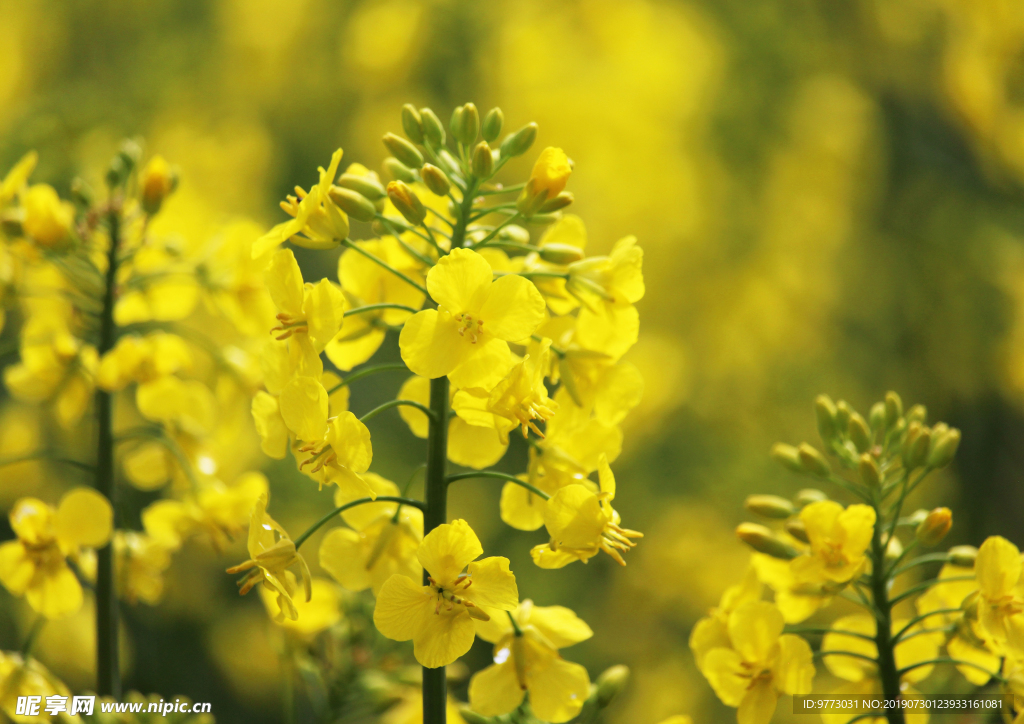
x,y
829,195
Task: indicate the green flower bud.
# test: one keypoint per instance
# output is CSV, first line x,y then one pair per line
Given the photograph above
x,y
763,540
455,122
876,418
516,233
813,461
893,549
433,131
368,186
560,253
471,717
842,415
963,556
918,413
398,170
353,203
378,228
130,154
482,160
493,122
412,124
870,475
610,684
518,143
859,433
825,412
545,219
788,456
435,179
893,408
465,124
559,202
769,506
917,517
944,448
934,527
916,445
404,151
407,203
796,528
807,496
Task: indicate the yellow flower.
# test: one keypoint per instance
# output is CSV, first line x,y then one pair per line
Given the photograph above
x,y
526,659
140,563
467,336
35,564
568,232
438,618
839,539
316,222
1001,603
608,287
340,457
760,663
582,523
20,677
365,282
712,631
48,220
548,178
156,182
316,310
142,359
517,401
382,541
322,610
188,405
271,552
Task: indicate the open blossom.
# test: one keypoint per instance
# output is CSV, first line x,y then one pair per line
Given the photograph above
x,y
35,565
467,336
438,617
1001,602
526,660
582,523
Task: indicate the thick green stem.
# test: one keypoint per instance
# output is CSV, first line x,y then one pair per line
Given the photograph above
x,y
887,670
108,675
435,693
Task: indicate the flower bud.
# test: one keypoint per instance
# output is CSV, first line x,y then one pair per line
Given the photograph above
x,y
404,151
471,717
368,186
876,418
825,413
893,549
916,445
870,475
934,527
787,455
769,506
465,124
482,160
407,203
547,180
433,131
943,448
398,170
353,203
917,517
412,124
518,143
763,540
796,528
435,179
859,433
842,415
813,462
47,219
807,496
516,233
963,556
559,202
918,413
560,253
158,180
610,684
378,228
492,124
893,408
545,219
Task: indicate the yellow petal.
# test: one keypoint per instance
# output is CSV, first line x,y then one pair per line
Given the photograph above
x,y
559,625
520,508
964,651
793,672
574,517
355,344
56,593
324,309
417,389
459,281
610,328
403,608
472,446
724,670
997,567
495,690
350,440
482,365
849,667
444,637
270,425
858,522
303,405
16,567
758,704
620,390
147,466
32,520
557,691
448,549
606,477
84,518
284,282
342,555
708,633
494,584
362,516
755,628
512,309
431,344
820,519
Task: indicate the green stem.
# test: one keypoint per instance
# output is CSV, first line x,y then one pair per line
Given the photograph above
x,y
44,455
366,372
108,673
495,230
822,630
948,660
886,648
898,636
383,305
499,476
352,504
926,585
920,561
380,262
435,685
395,403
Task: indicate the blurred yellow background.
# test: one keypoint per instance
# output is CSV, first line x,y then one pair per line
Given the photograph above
x,y
829,196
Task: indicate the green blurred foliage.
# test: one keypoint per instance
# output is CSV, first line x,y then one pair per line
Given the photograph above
x,y
829,196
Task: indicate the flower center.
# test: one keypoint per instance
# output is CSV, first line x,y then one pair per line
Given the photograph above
x,y
833,554
468,326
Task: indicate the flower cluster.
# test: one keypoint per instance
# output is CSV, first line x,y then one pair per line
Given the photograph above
x,y
812,551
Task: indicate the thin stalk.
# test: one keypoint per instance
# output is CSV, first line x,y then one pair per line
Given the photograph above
x,y
920,561
499,476
494,231
928,584
380,262
886,648
948,660
352,504
395,403
366,372
383,305
435,684
502,190
898,636
823,630
108,670
45,455
854,654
